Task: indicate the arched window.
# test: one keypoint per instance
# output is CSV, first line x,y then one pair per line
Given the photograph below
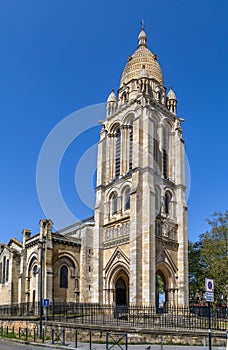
x,y
124,97
0,272
126,199
114,203
118,143
4,270
167,202
7,270
64,277
165,153
157,201
130,146
156,154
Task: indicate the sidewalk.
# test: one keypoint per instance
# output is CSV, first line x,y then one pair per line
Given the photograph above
x,y
85,346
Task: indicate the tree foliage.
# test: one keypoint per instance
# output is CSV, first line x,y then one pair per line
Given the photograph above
x,y
208,258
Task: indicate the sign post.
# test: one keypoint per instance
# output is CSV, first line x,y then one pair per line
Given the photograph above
x,y
209,286
46,304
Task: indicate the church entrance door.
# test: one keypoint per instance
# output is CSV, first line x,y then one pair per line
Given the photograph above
x,y
121,292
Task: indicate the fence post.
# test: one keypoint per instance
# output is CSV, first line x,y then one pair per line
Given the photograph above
x,y
106,340
227,340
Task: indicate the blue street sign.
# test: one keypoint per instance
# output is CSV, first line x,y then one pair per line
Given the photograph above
x,y
46,302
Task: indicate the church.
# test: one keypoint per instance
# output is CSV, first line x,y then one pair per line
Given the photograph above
x,y
134,250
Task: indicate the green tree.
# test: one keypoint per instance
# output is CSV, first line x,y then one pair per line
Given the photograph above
x,y
196,284
208,258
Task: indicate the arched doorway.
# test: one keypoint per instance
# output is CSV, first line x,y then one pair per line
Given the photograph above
x,y
161,291
121,287
121,292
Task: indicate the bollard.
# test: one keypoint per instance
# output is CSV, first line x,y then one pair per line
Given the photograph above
x,y
161,342
52,336
76,339
34,335
90,340
43,335
26,333
204,343
19,332
7,330
64,337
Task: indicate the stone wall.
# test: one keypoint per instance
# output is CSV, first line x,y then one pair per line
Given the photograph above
x,y
99,333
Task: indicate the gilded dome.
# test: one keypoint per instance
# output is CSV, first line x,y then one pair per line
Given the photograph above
x,y
142,58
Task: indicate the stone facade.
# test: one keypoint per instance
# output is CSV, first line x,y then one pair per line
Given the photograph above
x,y
136,244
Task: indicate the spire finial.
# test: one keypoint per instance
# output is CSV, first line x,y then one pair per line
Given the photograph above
x,y
142,35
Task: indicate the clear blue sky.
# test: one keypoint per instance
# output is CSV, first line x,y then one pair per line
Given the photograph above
x,y
59,56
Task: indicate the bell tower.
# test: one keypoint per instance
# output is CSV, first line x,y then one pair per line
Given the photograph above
x,y
140,237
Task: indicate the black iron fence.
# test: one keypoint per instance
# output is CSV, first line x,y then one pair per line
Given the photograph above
x,y
195,317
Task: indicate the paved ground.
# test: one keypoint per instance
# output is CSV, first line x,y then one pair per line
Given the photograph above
x,y
12,345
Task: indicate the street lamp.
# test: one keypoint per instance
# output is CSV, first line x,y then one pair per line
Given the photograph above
x,y
41,247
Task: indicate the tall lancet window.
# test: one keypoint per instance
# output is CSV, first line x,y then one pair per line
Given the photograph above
x,y
7,270
165,153
118,143
126,199
130,146
167,202
114,203
0,272
64,277
4,270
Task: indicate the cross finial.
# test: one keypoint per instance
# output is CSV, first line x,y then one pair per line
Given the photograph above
x,y
142,24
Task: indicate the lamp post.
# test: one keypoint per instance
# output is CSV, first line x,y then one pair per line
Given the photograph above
x,y
40,243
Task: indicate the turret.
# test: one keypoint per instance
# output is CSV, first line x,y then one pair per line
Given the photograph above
x,y
172,101
111,104
26,234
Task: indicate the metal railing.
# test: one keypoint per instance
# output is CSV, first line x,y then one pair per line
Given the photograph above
x,y
195,317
